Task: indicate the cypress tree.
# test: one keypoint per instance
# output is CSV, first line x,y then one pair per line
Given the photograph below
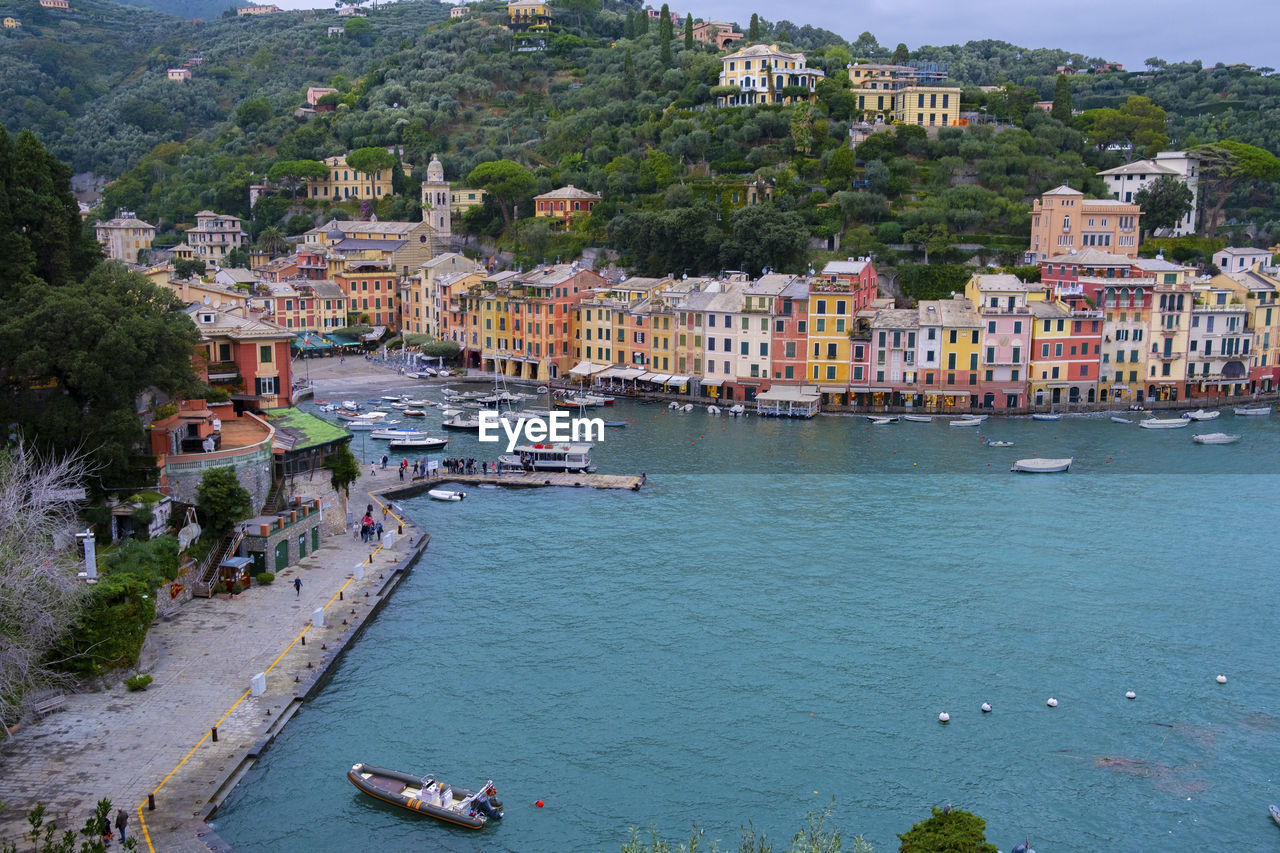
x,y
1062,99
665,33
753,31
688,31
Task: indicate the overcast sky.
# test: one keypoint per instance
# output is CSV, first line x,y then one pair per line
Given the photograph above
x,y
1126,31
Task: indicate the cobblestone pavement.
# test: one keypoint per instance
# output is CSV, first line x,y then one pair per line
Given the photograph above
x,y
125,746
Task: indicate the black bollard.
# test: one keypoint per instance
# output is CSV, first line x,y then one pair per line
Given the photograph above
x,y
304,639
151,802
214,732
339,595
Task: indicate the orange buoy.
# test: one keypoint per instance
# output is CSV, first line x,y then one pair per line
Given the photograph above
x,y
538,804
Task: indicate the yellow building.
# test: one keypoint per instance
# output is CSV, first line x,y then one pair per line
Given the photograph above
x,y
1169,333
420,294
763,74
12,23
1259,293
345,183
831,316
947,361
902,93
462,199
528,15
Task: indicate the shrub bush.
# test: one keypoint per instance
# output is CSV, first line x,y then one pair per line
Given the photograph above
x,y
265,578
237,588
219,588
137,682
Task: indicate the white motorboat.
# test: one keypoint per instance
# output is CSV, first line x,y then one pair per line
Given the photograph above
x,y
421,442
1046,416
1164,423
881,421
1252,410
391,433
737,410
999,444
446,495
1202,415
574,457
1119,420
1215,438
414,413
918,419
369,420
463,421
965,422
1036,465
713,410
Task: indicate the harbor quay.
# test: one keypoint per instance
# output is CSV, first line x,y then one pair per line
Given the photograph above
x,y
170,754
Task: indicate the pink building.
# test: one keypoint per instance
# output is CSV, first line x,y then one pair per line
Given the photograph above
x,y
1063,220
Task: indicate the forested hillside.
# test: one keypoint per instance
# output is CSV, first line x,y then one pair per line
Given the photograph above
x,y
614,105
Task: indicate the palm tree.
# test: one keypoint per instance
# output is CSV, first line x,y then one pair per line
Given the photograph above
x,y
272,242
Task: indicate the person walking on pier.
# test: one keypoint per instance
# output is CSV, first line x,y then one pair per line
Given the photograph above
x,y
122,824
297,593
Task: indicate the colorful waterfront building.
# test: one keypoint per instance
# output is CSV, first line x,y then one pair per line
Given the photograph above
x,y
1063,358
247,357
790,359
949,341
755,332
1002,305
370,284
721,341
893,359
1220,344
1168,330
835,297
1259,290
303,305
419,293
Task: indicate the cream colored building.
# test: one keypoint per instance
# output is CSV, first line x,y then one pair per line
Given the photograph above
x,y
1125,181
1063,220
124,236
178,75
762,72
420,294
214,236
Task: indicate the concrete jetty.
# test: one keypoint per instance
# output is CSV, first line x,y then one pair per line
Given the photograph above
x,y
521,480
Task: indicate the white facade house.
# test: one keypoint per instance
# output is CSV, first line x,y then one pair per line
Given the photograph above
x,y
1124,182
1232,259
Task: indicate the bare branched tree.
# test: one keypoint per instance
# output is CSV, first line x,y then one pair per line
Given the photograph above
x,y
38,584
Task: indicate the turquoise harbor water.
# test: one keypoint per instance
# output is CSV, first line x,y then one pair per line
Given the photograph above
x,y
775,621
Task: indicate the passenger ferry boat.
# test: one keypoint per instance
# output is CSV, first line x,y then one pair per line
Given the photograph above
x,y
574,457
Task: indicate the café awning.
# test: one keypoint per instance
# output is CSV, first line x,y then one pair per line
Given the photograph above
x,y
587,368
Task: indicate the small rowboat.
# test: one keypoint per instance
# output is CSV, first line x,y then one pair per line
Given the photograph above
x,y
427,796
1275,814
1252,410
1202,415
1046,416
965,422
1042,466
999,444
1119,420
1215,438
881,421
918,419
446,495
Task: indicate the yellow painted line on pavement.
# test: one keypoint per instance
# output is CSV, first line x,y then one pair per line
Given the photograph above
x,y
146,834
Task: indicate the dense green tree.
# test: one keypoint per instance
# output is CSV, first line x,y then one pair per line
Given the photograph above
x,y
901,54
41,236
949,830
79,356
507,182
254,112
688,31
929,237
1164,202
1227,164
292,174
187,267
841,167
1062,99
753,31
1138,123
344,469
358,30
221,501
765,236
665,34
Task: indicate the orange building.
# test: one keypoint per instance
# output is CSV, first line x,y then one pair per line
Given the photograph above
x,y
565,204
1063,221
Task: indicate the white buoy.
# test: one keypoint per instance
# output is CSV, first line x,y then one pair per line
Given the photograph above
x,y
986,707
1131,695
1052,703
1222,679
944,717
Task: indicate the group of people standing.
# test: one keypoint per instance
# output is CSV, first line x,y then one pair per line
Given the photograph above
x,y
368,529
